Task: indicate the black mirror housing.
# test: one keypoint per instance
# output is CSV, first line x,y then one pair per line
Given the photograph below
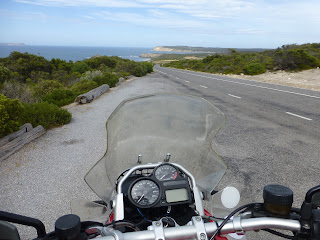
x,y
8,231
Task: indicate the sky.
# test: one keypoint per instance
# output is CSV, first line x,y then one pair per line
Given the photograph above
x,y
150,23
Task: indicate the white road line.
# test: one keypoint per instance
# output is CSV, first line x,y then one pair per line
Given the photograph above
x,y
253,85
203,86
233,96
177,78
187,81
296,115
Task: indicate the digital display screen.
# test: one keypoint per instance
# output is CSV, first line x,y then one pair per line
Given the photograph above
x,y
176,195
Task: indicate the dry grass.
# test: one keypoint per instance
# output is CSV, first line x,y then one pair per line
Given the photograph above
x,y
308,79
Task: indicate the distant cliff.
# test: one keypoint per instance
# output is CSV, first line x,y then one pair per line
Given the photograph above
x,y
150,55
173,49
204,49
12,44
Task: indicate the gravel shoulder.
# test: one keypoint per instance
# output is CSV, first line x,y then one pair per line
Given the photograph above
x,y
308,79
43,178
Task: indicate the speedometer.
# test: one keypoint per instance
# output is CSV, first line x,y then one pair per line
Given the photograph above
x,y
166,172
144,193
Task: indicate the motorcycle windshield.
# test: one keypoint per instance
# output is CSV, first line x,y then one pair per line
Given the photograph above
x,y
153,126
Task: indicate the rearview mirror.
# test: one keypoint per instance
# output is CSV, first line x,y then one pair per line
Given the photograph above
x,y
316,200
8,231
313,196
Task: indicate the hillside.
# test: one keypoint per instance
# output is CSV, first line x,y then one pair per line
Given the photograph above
x,y
289,58
204,49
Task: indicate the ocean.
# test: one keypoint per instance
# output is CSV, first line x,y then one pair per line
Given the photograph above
x,y
77,53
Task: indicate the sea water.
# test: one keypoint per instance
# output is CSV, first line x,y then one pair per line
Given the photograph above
x,y
77,53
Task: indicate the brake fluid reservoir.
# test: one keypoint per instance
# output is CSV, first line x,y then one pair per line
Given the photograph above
x,y
278,199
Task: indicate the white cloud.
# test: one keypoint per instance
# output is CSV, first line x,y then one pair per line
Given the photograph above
x,y
215,16
152,18
83,3
39,16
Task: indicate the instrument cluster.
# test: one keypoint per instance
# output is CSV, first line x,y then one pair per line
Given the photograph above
x,y
165,186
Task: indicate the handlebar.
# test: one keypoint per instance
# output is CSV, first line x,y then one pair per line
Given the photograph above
x,y
200,230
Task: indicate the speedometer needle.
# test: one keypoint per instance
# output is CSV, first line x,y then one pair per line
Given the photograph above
x,y
140,198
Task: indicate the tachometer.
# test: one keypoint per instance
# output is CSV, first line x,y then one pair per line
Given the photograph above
x,y
166,172
144,193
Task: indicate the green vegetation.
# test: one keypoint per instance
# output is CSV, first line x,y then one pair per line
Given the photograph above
x,y
288,57
209,49
46,114
13,114
10,110
173,56
33,88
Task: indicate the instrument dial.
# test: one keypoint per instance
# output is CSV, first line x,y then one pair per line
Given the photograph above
x,y
145,193
166,172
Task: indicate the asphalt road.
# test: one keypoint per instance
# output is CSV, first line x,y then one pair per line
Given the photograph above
x,y
272,135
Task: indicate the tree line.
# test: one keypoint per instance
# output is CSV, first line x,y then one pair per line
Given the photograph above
x,y
289,58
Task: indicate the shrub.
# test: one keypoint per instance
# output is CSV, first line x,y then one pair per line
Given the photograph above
x,y
295,59
139,70
24,63
45,87
80,67
5,74
254,69
46,114
38,76
123,74
95,62
59,97
10,110
83,86
63,76
107,78
149,66
92,74
13,89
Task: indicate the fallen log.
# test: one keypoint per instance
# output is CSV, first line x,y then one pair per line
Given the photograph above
x,y
17,143
23,129
120,81
93,94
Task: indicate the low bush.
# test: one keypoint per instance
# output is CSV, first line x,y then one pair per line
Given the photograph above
x,y
83,86
10,111
45,87
17,90
140,70
46,114
14,114
80,67
5,74
60,97
254,69
92,74
123,74
295,59
107,78
149,66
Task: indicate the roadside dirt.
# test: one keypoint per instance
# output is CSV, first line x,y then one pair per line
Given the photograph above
x,y
308,79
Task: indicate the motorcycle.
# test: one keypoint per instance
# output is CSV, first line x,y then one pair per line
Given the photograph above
x,y
158,172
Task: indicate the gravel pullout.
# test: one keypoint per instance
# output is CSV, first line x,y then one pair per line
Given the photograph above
x,y
43,178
